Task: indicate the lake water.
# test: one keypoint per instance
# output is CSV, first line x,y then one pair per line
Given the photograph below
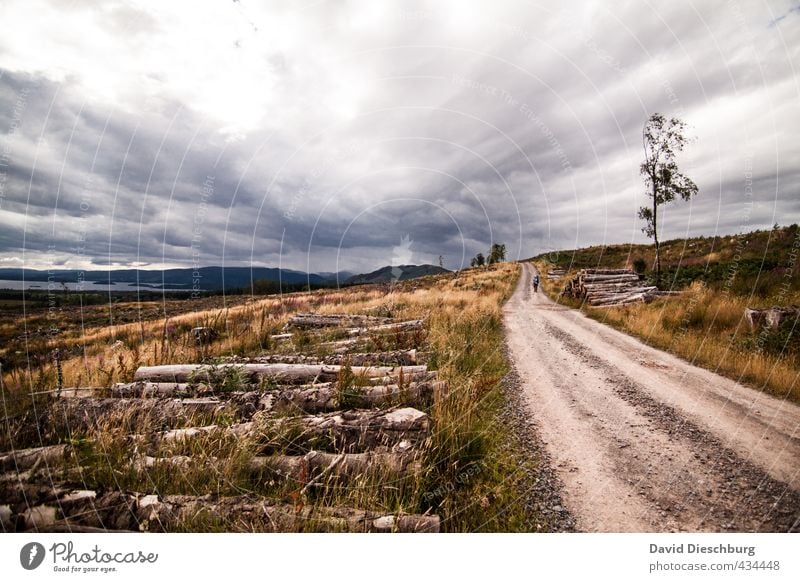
x,y
85,286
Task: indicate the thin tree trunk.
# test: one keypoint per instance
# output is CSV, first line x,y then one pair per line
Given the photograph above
x,y
655,233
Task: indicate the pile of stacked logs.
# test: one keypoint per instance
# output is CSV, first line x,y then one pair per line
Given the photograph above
x,y
556,273
609,287
304,420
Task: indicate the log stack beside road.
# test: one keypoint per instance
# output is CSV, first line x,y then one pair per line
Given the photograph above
x,y
610,287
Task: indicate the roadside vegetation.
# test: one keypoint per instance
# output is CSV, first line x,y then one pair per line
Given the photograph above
x,y
469,471
719,278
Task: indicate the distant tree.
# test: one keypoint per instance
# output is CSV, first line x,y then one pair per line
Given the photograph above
x,y
497,254
441,262
662,139
478,260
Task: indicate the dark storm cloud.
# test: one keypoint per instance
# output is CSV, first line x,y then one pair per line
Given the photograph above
x,y
266,135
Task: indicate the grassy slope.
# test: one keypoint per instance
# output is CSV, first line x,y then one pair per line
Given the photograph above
x,y
471,474
719,278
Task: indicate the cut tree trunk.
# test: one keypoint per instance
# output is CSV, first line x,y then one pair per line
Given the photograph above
x,y
77,415
393,358
411,325
143,389
281,373
329,397
352,431
317,320
344,465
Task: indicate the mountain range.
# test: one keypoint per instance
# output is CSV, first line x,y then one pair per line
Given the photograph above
x,y
216,278
395,273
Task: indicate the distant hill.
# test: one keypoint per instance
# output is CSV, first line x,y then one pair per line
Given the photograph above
x,y
209,279
396,273
340,276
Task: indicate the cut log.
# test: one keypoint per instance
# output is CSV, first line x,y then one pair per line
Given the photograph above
x,y
345,465
118,510
82,392
395,358
771,318
411,325
345,345
606,271
23,459
78,415
143,389
608,278
329,397
317,320
352,431
280,373
312,464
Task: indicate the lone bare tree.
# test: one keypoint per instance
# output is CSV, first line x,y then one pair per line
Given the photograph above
x,y
662,139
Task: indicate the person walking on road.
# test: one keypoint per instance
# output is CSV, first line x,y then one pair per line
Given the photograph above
x,y
535,283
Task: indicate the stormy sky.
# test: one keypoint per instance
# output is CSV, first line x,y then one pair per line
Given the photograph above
x,y
334,135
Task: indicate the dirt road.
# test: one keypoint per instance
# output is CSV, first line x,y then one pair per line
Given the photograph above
x,y
644,441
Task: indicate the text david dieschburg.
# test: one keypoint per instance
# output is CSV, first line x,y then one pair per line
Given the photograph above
x,y
750,551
